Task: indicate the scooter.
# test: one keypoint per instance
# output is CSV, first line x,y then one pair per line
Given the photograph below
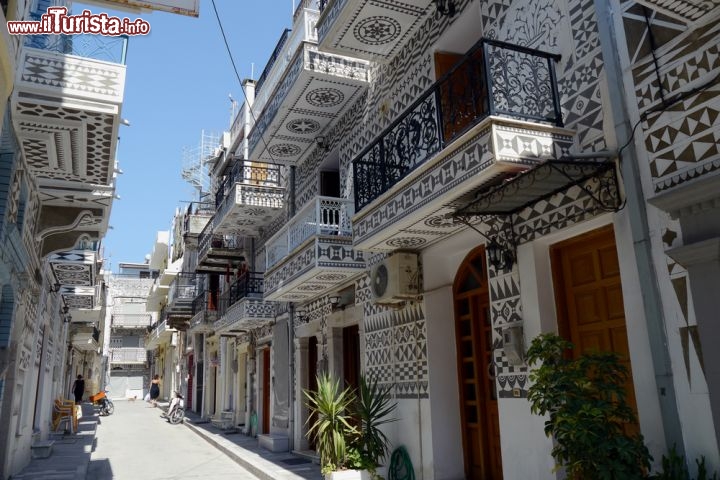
x,y
101,400
176,411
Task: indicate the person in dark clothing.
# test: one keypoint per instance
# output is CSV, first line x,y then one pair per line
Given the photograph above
x,y
78,388
155,390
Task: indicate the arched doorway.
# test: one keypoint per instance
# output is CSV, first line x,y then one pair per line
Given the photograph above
x,y
476,376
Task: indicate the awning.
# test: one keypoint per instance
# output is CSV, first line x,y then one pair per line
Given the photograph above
x,y
515,193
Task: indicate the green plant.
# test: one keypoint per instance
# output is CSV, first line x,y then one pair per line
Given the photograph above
x,y
372,409
331,427
674,467
584,399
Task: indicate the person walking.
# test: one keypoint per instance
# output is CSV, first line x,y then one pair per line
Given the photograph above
x,y
155,390
78,388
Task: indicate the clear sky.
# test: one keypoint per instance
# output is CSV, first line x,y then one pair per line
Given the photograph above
x,y
178,81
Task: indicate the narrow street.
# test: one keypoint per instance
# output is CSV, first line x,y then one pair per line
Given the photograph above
x,y
136,442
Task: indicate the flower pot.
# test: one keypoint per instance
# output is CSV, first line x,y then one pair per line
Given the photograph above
x,y
348,475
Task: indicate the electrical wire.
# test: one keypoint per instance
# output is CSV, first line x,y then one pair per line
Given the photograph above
x,y
237,75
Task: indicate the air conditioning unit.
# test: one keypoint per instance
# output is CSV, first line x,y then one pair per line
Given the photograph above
x,y
395,279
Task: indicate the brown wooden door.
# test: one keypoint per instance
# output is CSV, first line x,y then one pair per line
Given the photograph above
x,y
476,375
266,391
312,380
589,297
351,356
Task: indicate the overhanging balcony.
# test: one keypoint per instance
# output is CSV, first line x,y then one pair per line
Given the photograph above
x,y
315,91
495,114
242,306
248,199
218,253
85,337
131,321
128,355
161,334
76,271
313,253
197,216
183,290
369,29
205,313
66,112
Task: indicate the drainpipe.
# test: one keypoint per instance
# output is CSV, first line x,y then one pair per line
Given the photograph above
x,y
636,206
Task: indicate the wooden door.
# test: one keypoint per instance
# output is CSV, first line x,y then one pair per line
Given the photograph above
x,y
476,375
589,297
312,379
351,356
266,391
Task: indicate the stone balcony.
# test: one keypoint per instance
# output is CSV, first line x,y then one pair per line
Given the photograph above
x,y
66,113
128,355
249,198
472,130
313,252
162,333
85,337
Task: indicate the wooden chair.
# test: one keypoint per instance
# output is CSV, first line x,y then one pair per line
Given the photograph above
x,y
64,411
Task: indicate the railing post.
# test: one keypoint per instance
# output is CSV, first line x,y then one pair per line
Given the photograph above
x,y
318,214
488,78
555,93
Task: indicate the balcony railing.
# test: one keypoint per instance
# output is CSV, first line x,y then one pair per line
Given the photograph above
x,y
209,240
322,216
246,285
128,355
97,47
140,320
205,301
183,287
493,78
260,174
271,61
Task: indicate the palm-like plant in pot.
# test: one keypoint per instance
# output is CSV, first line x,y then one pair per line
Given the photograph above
x,y
331,427
372,409
346,427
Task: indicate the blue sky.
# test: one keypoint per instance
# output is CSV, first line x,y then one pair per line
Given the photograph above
x,y
178,80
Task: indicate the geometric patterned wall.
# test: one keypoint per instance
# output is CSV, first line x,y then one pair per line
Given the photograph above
x,y
395,345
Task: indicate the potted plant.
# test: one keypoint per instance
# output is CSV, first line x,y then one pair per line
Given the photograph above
x,y
372,409
331,427
584,399
346,427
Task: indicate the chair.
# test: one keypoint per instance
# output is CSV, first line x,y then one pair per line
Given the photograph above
x,y
64,411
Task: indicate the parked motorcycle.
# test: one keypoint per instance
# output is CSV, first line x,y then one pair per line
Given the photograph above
x,y
106,405
176,411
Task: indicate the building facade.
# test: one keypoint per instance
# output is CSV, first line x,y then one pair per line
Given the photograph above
x,y
58,137
415,192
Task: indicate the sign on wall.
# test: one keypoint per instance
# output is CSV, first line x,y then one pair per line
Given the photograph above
x,y
183,7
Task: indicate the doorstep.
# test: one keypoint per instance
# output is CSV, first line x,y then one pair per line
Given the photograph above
x,y
274,442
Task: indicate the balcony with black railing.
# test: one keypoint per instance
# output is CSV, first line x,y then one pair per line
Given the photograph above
x,y
248,198
205,312
241,305
495,113
218,253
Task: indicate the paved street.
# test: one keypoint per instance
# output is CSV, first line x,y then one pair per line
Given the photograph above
x,y
136,442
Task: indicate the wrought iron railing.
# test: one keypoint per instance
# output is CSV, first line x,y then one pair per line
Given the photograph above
x,y
321,216
245,285
493,78
205,301
97,47
271,61
183,287
261,174
208,240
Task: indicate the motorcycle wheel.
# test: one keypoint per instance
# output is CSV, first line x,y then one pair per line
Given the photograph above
x,y
108,407
176,416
